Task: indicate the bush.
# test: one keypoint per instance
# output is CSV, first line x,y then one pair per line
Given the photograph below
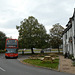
x,y
73,63
71,56
2,51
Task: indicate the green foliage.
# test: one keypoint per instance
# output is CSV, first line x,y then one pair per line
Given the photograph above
x,y
73,63
2,40
32,34
56,35
2,51
70,56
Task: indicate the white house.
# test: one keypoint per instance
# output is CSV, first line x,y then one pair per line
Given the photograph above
x,y
69,37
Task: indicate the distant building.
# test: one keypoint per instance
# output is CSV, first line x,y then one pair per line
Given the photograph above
x,y
69,37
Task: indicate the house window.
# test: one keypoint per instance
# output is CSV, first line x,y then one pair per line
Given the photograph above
x,y
66,36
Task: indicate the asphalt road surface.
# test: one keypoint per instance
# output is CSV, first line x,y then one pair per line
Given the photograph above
x,y
14,67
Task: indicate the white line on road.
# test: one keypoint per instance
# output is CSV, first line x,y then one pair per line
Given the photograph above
x,y
2,69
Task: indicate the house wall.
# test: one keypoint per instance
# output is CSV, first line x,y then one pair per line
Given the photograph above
x,y
68,46
74,35
64,44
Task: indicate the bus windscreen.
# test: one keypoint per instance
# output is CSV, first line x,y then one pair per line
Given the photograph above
x,y
11,43
11,50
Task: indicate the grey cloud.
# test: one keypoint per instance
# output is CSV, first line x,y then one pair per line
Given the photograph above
x,y
54,11
48,12
11,24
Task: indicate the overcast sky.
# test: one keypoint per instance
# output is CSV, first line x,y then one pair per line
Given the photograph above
x,y
48,12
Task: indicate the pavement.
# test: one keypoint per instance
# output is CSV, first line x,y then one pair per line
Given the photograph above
x,y
66,65
22,57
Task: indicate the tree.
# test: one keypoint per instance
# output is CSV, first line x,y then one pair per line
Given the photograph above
x,y
31,34
2,40
56,36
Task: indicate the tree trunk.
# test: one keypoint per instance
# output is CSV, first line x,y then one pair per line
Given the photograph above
x,y
58,50
32,50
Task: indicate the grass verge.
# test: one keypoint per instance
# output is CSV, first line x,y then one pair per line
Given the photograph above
x,y
29,50
47,64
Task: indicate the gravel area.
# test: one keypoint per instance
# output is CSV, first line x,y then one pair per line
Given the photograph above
x,y
66,65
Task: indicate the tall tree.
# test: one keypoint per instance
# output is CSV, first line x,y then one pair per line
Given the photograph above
x,y
2,40
31,34
56,36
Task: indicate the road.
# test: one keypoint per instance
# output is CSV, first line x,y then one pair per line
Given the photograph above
x,y
14,67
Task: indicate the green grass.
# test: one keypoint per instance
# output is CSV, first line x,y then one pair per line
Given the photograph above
x,y
40,63
56,49
42,54
29,50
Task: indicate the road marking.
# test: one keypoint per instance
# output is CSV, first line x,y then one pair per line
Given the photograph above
x,y
2,69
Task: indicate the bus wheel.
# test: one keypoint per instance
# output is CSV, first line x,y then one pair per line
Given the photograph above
x,y
16,57
6,57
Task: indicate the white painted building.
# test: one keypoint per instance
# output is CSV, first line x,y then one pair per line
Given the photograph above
x,y
69,37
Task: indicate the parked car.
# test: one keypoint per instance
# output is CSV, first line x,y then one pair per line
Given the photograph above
x,y
44,50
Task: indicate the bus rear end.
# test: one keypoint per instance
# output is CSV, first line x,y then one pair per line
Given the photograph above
x,y
11,48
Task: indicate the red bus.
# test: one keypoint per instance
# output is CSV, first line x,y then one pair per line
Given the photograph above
x,y
11,47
